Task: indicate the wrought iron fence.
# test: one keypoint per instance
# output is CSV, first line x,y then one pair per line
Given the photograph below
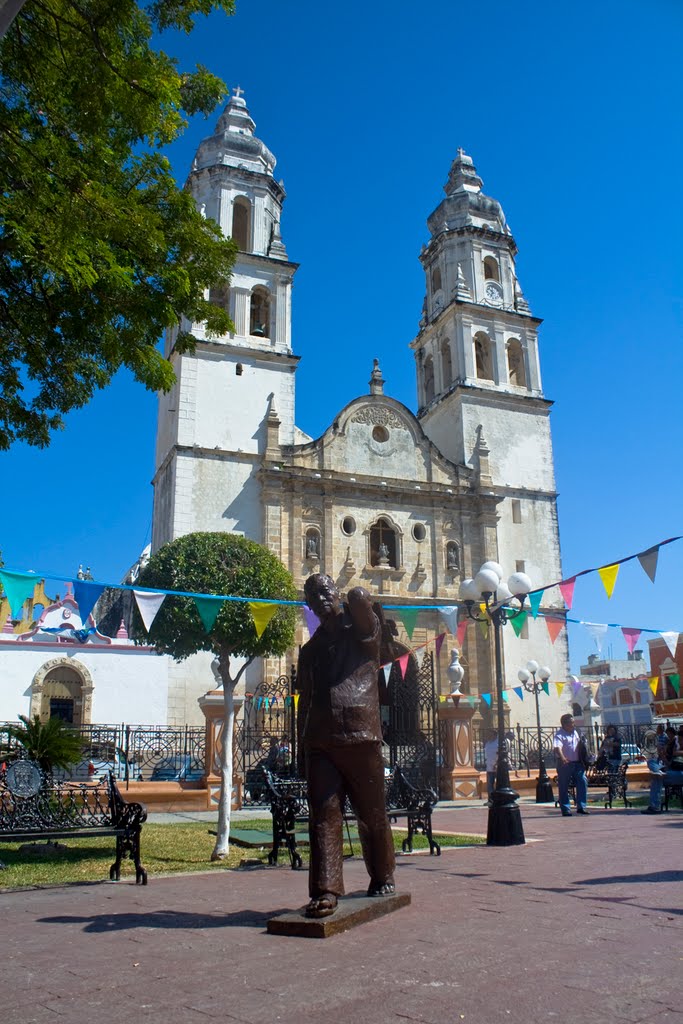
x,y
523,744
133,752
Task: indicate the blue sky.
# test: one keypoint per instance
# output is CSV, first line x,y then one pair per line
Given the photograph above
x,y
572,116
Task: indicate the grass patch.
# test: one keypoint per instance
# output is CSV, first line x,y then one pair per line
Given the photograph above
x,y
166,850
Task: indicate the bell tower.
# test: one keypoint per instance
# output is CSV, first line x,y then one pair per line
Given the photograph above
x,y
216,424
480,394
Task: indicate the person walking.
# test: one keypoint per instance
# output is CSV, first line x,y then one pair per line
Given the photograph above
x,y
567,744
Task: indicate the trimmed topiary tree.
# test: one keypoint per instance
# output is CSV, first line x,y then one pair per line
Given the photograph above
x,y
219,563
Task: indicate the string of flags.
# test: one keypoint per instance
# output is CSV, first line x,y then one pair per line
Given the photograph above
x,y
20,586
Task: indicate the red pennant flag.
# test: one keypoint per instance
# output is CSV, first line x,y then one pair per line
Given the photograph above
x,y
554,627
462,627
567,590
403,664
631,637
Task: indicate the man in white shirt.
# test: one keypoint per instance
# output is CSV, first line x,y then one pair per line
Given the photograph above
x,y
569,766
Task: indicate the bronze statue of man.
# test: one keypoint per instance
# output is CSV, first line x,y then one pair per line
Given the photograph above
x,y
341,741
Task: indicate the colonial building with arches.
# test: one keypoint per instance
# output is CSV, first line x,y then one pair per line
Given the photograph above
x,y
405,503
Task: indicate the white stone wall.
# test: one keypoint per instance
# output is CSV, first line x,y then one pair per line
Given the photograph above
x,y
129,684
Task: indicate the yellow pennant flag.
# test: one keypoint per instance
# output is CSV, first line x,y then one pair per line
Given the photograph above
x,y
484,627
560,688
296,701
654,683
608,574
262,613
4,612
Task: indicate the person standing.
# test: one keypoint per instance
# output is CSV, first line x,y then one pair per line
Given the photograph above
x,y
570,769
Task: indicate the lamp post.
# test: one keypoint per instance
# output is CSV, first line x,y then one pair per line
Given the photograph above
x,y
488,599
527,677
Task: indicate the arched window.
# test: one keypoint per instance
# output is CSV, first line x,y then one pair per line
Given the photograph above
x,y
577,711
436,280
241,223
491,269
383,544
429,379
516,374
482,356
259,319
446,364
312,544
452,556
625,696
62,695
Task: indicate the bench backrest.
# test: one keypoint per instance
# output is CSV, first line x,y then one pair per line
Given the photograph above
x,y
32,800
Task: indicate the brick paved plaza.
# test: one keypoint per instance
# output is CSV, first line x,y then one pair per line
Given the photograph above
x,y
584,922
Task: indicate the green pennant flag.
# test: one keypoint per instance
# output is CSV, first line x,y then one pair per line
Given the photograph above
x,y
409,617
676,683
18,586
518,622
208,608
546,688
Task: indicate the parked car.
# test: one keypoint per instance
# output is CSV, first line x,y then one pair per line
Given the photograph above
x,y
96,764
179,768
630,753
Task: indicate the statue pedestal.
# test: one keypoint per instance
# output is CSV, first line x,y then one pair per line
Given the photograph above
x,y
213,707
351,911
459,777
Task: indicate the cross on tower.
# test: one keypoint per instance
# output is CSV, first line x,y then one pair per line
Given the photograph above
x,y
238,92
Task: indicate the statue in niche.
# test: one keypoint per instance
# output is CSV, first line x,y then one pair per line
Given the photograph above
x,y
340,727
312,550
452,561
383,553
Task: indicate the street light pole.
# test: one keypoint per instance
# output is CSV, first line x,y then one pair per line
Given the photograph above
x,y
544,788
493,601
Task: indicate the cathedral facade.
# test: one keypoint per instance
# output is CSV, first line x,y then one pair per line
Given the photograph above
x,y
404,503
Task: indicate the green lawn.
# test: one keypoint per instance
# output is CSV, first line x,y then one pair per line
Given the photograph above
x,y
166,849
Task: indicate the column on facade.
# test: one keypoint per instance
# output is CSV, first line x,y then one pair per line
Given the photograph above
x,y
465,349
224,211
530,346
242,311
280,311
497,336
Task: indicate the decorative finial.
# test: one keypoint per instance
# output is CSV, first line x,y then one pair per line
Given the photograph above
x,y
376,380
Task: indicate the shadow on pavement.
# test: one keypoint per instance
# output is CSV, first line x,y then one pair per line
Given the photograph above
x,y
168,919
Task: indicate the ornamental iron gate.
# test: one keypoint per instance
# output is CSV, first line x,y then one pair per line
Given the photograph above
x,y
265,737
410,723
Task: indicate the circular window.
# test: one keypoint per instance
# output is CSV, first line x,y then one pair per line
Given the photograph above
x,y
348,525
419,532
380,433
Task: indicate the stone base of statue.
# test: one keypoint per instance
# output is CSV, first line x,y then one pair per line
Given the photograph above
x,y
352,910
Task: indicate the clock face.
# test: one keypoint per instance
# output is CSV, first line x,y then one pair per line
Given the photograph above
x,y
493,293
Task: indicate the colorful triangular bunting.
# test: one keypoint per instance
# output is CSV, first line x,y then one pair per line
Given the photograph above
x,y
462,627
387,672
449,614
86,596
148,606
648,560
262,612
518,621
631,637
567,590
608,574
484,627
554,626
559,687
675,681
312,620
546,687
208,608
409,617
597,630
18,586
671,640
654,683
419,653
403,664
487,698
519,690
535,602
439,643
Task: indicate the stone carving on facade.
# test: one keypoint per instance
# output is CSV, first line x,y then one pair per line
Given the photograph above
x,y
312,512
380,417
420,574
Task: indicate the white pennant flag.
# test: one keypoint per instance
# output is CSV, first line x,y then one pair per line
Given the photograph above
x,y
387,672
671,641
419,653
449,613
597,630
148,606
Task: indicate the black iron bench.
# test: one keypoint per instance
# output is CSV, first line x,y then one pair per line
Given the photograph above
x,y
669,793
289,808
35,807
612,780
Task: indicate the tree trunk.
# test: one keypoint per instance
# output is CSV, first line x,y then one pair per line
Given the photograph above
x,y
225,804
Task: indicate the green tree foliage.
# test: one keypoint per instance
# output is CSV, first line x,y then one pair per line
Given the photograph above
x,y
49,743
218,563
100,252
